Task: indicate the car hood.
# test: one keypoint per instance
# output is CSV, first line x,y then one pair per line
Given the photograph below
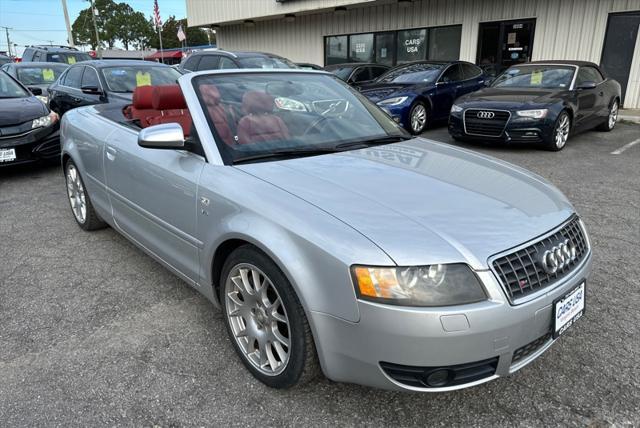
x,y
380,91
14,111
517,96
424,202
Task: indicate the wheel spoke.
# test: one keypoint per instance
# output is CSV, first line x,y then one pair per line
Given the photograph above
x,y
282,354
272,359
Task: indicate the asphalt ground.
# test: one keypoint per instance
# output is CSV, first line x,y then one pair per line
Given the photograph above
x,y
93,332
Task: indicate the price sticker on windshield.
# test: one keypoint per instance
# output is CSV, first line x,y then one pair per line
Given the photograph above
x,y
48,75
71,59
536,77
143,79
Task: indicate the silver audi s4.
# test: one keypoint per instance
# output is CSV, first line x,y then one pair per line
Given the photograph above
x,y
331,240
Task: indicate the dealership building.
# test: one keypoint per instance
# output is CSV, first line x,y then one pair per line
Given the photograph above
x,y
491,33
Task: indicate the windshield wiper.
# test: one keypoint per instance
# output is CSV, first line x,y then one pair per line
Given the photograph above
x,y
285,153
387,139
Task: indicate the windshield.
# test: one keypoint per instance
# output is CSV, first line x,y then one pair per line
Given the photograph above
x,y
535,76
413,73
266,62
341,72
68,57
40,75
10,89
259,115
126,78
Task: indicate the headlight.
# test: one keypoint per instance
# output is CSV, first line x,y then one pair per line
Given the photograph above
x,y
43,121
434,285
535,114
43,98
392,101
456,109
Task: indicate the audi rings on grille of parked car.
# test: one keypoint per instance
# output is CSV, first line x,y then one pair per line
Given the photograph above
x,y
559,256
486,115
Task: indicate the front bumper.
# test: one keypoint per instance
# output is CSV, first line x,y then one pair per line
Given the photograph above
x,y
39,144
517,130
493,332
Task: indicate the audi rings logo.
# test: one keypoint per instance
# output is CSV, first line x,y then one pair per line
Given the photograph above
x,y
558,257
485,115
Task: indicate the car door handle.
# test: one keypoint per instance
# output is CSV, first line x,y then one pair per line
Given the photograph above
x,y
111,153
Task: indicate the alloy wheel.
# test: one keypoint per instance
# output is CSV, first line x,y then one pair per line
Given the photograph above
x,y
418,118
75,191
613,115
562,131
258,319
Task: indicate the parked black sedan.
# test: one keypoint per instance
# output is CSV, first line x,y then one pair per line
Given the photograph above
x,y
357,73
538,102
28,129
36,75
106,81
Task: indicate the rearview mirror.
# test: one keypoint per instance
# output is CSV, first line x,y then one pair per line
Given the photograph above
x,y
587,85
91,90
35,91
165,136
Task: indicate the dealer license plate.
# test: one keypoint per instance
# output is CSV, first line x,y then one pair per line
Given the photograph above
x,y
568,309
7,155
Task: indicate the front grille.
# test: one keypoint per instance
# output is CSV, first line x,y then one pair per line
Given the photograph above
x,y
421,377
521,272
530,348
489,127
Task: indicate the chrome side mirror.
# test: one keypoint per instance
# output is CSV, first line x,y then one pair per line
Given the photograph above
x,y
165,136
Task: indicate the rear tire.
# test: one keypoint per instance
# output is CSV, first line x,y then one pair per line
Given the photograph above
x,y
79,199
560,135
612,119
263,315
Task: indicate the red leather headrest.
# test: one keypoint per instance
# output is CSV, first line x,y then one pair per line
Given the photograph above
x,y
256,102
210,95
142,97
167,97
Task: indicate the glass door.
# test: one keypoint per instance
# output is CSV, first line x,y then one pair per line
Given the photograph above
x,y
503,44
619,46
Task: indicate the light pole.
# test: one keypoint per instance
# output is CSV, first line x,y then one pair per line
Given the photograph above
x,y
95,27
66,20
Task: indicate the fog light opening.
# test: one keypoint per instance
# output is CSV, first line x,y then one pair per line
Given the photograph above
x,y
438,378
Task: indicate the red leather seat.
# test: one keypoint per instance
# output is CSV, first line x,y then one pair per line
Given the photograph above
x,y
220,116
170,107
141,108
260,124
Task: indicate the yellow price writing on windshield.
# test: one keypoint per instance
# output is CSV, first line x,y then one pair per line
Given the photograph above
x,y
143,79
71,59
536,77
48,75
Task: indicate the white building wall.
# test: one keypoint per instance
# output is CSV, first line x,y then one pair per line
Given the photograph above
x,y
565,29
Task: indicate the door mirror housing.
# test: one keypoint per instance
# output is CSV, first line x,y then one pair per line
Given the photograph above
x,y
168,136
91,90
587,85
35,90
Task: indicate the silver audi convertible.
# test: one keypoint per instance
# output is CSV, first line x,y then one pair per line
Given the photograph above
x,y
332,240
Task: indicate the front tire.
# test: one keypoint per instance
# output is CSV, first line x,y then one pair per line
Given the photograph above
x,y
265,320
79,199
612,119
418,118
560,135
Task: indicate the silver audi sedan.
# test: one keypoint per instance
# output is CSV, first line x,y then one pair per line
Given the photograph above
x,y
331,240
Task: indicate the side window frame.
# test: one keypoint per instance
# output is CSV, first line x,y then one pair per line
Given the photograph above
x,y
224,58
95,72
450,68
208,58
81,67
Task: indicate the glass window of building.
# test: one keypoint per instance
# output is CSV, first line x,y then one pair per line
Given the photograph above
x,y
336,49
412,45
444,43
385,48
361,47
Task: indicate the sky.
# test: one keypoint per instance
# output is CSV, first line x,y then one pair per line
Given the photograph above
x,y
33,22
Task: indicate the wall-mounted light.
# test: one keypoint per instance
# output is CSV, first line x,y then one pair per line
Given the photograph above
x,y
340,10
289,17
404,3
249,23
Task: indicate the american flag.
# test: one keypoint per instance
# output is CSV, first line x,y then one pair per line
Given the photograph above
x,y
156,15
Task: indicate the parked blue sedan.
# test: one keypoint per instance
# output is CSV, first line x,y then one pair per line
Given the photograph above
x,y
418,93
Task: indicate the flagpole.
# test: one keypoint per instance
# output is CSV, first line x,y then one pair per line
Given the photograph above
x,y
160,37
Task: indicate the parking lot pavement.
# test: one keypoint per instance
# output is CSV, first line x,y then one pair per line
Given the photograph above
x,y
94,332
